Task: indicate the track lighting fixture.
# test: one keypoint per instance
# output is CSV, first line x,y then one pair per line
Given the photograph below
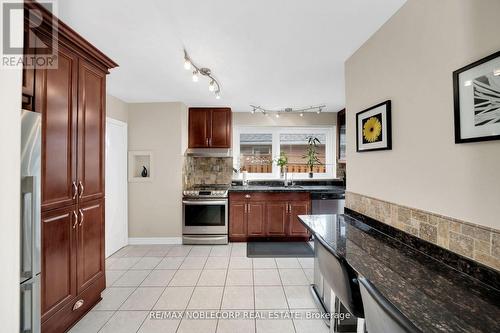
x,y
214,85
278,112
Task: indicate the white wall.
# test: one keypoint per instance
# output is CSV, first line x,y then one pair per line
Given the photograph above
x,y
10,146
410,60
249,119
116,108
155,207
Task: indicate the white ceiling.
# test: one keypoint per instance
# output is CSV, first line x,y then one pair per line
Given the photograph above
x,y
272,53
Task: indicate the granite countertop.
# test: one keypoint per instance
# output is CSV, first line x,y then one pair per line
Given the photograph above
x,y
292,188
434,296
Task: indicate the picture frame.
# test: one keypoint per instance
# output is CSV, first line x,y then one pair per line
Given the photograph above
x,y
476,99
374,128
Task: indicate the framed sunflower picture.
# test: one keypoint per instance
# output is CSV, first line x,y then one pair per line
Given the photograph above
x,y
373,128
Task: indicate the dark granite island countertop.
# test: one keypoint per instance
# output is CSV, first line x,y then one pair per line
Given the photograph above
x,y
434,296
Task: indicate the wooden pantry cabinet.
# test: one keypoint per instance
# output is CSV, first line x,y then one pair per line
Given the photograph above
x,y
262,215
210,128
71,100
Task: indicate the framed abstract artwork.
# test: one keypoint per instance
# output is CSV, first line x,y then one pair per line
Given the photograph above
x,y
373,128
476,93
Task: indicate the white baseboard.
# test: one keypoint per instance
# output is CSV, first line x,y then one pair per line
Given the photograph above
x,y
154,240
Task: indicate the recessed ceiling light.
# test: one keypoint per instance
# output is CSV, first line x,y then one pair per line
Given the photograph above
x,y
277,115
302,115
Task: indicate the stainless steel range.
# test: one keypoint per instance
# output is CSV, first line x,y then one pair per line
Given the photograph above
x,y
205,215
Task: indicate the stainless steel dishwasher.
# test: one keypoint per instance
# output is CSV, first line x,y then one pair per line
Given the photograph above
x,y
324,203
327,203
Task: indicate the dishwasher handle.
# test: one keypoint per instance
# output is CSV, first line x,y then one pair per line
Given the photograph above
x,y
327,196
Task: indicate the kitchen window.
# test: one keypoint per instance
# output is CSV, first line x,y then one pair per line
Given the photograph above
x,y
257,148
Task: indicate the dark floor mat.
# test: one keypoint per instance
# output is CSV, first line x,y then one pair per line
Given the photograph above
x,y
279,249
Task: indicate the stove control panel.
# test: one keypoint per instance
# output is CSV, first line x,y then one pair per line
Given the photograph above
x,y
203,193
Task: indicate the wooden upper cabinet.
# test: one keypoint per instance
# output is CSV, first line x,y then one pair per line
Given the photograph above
x,y
199,128
58,283
56,99
295,227
90,243
221,125
28,91
255,218
91,132
210,127
276,218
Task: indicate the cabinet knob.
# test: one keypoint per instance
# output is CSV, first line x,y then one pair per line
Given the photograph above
x,y
78,304
247,196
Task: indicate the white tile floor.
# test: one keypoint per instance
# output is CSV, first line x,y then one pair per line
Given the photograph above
x,y
184,280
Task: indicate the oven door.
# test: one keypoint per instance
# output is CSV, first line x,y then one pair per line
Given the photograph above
x,y
204,217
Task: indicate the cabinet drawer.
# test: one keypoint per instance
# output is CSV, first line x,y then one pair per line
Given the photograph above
x,y
67,317
269,196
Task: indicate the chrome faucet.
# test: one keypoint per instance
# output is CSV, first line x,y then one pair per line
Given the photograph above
x,y
285,180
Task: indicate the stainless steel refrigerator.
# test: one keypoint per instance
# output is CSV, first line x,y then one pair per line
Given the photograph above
x,y
30,221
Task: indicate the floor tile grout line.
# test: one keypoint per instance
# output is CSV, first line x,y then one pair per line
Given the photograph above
x,y
286,297
100,329
205,268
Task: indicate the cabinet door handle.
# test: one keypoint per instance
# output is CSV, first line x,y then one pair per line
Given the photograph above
x,y
208,142
78,304
75,190
76,219
80,184
81,217
248,207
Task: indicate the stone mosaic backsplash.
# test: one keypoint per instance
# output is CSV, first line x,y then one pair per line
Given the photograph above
x,y
207,170
479,243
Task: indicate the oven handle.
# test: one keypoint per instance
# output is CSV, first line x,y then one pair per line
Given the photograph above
x,y
205,202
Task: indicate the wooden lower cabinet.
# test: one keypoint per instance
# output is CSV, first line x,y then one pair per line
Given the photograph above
x,y
255,219
72,263
58,283
262,215
238,224
69,314
295,228
90,243
276,218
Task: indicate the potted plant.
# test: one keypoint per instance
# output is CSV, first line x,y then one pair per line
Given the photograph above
x,y
311,155
282,162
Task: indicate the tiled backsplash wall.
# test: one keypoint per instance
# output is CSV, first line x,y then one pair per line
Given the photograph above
x,y
207,170
470,240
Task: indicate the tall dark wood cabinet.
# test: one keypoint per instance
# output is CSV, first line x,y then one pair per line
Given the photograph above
x,y
210,128
71,99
